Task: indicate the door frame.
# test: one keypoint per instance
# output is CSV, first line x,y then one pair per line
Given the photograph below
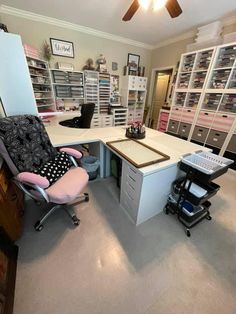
x,y
151,87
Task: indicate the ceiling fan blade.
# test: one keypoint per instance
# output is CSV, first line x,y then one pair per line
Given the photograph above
x,y
173,8
131,11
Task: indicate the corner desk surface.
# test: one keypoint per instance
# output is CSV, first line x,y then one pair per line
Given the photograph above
x,y
167,144
143,191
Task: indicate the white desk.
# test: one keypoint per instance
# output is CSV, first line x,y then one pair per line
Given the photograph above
x,y
144,191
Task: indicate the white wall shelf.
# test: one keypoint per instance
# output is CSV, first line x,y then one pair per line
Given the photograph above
x,y
42,84
134,91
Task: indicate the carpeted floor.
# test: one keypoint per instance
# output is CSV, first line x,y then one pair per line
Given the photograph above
x,y
109,266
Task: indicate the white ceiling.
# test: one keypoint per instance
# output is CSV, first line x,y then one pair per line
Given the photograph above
x,y
146,27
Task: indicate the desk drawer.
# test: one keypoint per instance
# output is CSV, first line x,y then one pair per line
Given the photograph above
x,y
129,205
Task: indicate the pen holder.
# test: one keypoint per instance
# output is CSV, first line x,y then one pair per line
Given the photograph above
x,y
137,136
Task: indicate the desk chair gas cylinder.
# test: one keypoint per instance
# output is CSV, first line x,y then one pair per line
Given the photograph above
x,y
39,169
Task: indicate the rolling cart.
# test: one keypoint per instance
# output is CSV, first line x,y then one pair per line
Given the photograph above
x,y
190,195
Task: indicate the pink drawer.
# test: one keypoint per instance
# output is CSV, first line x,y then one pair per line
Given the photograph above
x,y
205,118
161,130
164,116
188,115
223,122
163,124
176,114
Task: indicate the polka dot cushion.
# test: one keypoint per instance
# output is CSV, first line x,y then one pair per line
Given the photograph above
x,y
55,168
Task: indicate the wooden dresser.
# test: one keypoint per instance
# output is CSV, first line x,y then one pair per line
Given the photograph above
x,y
11,205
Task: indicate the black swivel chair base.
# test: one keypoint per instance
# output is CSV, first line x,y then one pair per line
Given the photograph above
x,y
52,207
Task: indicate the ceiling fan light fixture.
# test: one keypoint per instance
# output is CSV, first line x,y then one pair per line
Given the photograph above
x,y
145,4
158,4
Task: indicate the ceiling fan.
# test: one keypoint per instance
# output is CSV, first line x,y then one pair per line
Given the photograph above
x,y
172,7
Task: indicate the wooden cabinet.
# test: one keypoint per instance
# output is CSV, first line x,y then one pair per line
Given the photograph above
x,y
11,205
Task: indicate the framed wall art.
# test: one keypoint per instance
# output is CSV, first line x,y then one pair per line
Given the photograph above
x,y
62,48
133,61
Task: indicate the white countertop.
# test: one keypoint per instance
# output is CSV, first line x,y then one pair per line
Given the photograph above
x,y
169,145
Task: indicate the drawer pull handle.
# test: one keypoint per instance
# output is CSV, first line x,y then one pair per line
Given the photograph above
x,y
206,114
217,134
133,170
189,110
132,178
224,116
132,187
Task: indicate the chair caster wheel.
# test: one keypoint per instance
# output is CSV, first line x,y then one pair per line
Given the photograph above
x,y
38,226
86,197
76,221
209,217
188,233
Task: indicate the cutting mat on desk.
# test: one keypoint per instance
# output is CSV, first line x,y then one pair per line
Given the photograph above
x,y
137,153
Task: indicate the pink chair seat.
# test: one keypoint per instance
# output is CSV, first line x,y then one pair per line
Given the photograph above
x,y
68,187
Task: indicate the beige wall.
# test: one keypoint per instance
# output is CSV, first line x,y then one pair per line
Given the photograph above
x,y
85,45
170,54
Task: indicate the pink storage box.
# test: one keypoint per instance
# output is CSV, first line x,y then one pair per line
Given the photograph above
x,y
31,51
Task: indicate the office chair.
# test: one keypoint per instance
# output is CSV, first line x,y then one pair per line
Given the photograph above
x,y
84,120
41,171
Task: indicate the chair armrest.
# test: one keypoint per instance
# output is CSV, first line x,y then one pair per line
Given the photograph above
x,y
32,178
72,152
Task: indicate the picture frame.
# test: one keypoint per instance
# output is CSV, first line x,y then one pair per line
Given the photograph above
x,y
128,149
62,48
133,61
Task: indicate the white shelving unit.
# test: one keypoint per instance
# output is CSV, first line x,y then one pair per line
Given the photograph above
x,y
68,89
91,88
134,93
104,92
42,85
207,115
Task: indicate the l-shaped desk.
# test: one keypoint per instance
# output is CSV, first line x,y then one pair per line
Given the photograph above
x,y
144,191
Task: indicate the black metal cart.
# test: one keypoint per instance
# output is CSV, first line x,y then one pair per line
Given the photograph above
x,y
190,195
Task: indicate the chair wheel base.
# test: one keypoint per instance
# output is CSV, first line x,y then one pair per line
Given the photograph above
x,y
38,227
76,221
86,199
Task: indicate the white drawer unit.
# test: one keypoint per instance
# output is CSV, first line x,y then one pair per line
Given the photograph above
x,y
106,121
134,91
137,82
131,184
96,121
120,116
